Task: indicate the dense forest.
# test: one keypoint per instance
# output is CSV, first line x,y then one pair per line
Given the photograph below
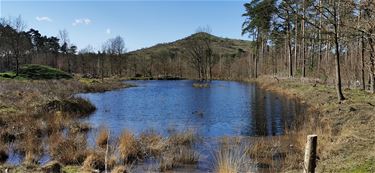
x,y
288,38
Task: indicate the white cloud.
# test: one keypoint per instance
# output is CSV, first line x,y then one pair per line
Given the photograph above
x,y
43,18
108,31
85,21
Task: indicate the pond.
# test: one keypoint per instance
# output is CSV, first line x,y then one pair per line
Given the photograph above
x,y
226,108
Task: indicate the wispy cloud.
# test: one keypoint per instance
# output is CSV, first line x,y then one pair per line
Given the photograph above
x,y
43,18
85,21
108,31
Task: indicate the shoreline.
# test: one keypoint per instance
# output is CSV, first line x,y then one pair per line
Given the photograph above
x,y
346,134
320,99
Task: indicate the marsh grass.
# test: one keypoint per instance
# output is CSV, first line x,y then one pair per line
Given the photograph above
x,y
70,149
231,157
122,169
102,139
128,146
201,85
72,106
94,161
39,117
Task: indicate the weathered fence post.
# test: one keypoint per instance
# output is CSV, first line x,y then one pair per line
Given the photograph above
x,y
310,154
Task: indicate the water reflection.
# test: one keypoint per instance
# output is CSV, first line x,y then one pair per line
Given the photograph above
x,y
224,109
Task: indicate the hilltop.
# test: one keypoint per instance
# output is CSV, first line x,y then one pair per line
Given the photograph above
x,y
222,46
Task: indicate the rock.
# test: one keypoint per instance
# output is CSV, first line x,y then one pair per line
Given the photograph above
x,y
52,167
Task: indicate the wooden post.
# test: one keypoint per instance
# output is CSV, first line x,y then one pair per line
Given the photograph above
x,y
310,154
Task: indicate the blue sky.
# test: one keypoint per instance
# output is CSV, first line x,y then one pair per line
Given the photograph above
x,y
140,23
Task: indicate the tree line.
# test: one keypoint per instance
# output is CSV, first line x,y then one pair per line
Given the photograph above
x,y
195,57
313,38
332,40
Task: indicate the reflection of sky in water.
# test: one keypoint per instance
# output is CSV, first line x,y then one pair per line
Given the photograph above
x,y
224,109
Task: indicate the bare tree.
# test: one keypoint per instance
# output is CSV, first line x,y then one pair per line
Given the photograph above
x,y
199,48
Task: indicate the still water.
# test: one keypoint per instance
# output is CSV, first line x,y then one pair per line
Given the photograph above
x,y
226,108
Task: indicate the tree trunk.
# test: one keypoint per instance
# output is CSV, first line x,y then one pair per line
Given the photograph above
x,y
289,48
303,42
363,63
17,65
340,95
296,44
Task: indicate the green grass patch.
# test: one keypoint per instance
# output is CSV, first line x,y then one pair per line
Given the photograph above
x,y
8,75
71,169
7,110
89,81
39,72
36,72
367,167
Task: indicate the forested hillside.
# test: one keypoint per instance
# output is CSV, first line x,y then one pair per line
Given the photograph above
x,y
329,40
199,56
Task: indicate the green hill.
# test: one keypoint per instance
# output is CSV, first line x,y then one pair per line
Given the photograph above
x,y
222,46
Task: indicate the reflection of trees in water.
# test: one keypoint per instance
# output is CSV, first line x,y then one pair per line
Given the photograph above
x,y
271,113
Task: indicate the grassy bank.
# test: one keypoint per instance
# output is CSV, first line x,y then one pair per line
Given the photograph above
x,y
346,130
32,96
39,117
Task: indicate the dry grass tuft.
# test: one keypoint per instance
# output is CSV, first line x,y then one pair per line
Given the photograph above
x,y
152,144
231,159
186,155
128,147
69,150
103,137
121,169
94,161
183,138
